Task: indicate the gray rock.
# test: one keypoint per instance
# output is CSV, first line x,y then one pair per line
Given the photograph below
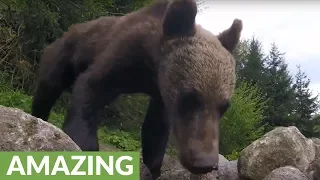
x,y
20,131
286,173
228,170
283,146
313,171
183,174
310,175
170,163
222,159
316,142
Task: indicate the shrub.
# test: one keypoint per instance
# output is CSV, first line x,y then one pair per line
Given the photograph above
x,y
241,124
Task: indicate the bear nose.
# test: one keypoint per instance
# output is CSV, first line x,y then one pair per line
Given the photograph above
x,y
204,164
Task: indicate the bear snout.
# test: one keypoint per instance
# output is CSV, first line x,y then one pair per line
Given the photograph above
x,y
200,163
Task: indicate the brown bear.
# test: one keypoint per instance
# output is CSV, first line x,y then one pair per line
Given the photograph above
x,y
188,72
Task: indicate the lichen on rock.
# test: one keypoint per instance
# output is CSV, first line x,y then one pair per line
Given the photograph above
x,y
19,131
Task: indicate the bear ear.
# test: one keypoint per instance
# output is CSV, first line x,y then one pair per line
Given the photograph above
x,y
231,37
179,19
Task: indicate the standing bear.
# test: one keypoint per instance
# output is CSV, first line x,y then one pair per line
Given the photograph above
x,y
188,72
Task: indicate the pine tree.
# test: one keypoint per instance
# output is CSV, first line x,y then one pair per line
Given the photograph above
x,y
277,86
249,66
241,54
306,105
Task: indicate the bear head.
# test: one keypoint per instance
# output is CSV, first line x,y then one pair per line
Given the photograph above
x,y
197,80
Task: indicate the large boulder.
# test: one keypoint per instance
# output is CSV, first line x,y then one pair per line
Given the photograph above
x,y
20,131
283,146
286,173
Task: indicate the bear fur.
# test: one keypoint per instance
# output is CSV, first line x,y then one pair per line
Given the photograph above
x,y
63,60
188,72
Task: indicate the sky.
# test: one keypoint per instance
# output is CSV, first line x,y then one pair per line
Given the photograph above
x,y
293,25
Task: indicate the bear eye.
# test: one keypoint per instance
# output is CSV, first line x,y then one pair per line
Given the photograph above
x,y
224,107
189,101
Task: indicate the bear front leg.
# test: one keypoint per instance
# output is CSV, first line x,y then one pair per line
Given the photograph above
x,y
85,114
155,132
